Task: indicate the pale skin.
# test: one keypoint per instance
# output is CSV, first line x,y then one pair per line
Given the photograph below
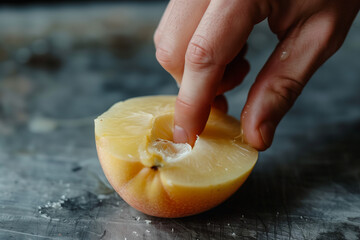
x,y
202,44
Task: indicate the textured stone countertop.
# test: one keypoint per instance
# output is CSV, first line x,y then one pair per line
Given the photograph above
x,y
62,66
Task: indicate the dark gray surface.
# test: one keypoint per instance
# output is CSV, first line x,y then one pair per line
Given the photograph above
x,y
61,67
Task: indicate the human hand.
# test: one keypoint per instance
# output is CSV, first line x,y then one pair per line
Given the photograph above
x,y
200,42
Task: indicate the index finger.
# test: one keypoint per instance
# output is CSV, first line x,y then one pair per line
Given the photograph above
x,y
219,37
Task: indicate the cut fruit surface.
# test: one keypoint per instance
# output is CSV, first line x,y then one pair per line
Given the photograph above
x,y
162,178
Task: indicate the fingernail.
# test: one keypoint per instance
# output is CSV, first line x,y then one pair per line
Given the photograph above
x,y
267,130
180,136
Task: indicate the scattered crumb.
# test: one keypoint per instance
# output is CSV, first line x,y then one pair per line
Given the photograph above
x,y
54,204
42,125
172,229
102,197
208,223
228,224
137,218
147,221
301,217
233,234
148,231
242,216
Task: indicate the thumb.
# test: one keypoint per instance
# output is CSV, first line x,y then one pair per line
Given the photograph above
x,y
284,76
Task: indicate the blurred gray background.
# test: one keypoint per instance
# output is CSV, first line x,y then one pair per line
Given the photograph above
x,y
62,65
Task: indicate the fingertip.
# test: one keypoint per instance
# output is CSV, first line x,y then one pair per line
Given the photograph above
x,y
180,135
255,139
189,121
258,133
267,130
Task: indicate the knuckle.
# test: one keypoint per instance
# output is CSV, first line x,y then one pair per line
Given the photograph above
x,y
199,53
156,37
287,90
165,58
184,103
190,104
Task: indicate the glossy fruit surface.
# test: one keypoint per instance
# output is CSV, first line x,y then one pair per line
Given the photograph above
x,y
161,178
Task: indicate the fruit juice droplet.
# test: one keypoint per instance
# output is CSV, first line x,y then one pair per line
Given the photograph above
x,y
284,55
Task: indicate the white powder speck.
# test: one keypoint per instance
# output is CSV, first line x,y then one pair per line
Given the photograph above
x,y
102,197
137,218
147,221
172,229
41,125
56,204
233,234
148,231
